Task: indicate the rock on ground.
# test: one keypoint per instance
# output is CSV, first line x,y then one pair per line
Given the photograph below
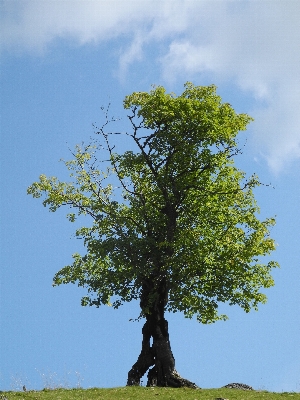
x,y
238,386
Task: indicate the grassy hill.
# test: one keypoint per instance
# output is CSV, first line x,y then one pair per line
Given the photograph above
x,y
145,393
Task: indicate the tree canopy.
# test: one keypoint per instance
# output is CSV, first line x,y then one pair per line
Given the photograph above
x,y
174,221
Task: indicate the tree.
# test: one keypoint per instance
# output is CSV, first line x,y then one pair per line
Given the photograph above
x,y
174,220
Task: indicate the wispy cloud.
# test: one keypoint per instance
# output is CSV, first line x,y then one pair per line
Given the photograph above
x,y
256,47
33,24
253,44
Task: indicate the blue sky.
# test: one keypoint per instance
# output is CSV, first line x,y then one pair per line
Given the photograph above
x,y
60,62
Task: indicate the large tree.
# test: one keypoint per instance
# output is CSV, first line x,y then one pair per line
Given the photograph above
x,y
174,221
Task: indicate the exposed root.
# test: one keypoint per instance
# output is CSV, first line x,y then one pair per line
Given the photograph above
x,y
173,380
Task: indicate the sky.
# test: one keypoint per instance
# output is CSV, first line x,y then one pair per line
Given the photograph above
x,y
61,61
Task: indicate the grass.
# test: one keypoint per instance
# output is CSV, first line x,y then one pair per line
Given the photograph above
x,y
146,393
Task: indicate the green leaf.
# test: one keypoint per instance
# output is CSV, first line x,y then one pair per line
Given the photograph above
x,y
173,220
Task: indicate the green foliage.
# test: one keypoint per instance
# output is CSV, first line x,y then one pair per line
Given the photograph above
x,y
180,211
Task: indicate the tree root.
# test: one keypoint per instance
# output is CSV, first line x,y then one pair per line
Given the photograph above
x,y
173,380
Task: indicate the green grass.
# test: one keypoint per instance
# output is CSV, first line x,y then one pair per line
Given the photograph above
x,y
145,393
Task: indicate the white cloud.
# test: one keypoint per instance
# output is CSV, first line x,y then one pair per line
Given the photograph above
x,y
134,53
32,24
277,128
254,44
256,47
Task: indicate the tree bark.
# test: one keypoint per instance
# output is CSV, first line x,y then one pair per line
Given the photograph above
x,y
145,359
159,356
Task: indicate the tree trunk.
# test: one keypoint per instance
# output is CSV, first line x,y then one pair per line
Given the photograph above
x,y
159,356
145,359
